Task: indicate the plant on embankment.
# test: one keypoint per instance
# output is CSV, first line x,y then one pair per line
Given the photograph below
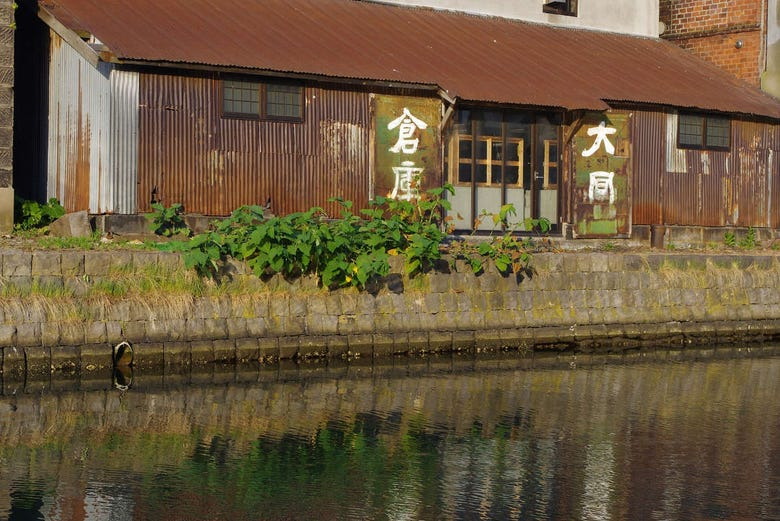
x,y
509,251
350,250
354,249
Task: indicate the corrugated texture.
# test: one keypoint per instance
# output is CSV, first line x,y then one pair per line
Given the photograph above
x,y
705,188
213,165
79,141
471,57
120,193
648,167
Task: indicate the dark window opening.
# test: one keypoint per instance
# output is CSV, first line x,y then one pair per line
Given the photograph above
x,y
255,100
564,7
703,132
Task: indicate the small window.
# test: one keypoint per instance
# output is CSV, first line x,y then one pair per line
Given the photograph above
x,y
564,7
256,100
703,132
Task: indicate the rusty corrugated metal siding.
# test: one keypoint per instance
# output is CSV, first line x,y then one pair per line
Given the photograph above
x,y
705,188
649,169
474,58
213,165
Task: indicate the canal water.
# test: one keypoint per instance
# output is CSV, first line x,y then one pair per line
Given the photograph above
x,y
651,435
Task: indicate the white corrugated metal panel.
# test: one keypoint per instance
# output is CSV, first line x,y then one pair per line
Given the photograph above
x,y
79,117
124,139
93,133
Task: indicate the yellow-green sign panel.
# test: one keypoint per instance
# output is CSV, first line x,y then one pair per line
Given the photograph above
x,y
602,164
408,151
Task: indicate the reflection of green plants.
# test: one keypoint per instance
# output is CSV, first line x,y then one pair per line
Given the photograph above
x,y
31,215
168,221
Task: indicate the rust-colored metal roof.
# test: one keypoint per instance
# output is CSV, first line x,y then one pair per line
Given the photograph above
x,y
473,58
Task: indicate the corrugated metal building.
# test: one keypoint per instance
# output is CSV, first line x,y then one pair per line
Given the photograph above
x,y
219,104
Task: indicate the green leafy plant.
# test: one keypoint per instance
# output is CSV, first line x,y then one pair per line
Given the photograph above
x,y
750,240
509,251
30,215
168,221
351,250
730,239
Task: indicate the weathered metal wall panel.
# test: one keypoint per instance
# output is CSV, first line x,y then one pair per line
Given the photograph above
x,y
212,165
79,137
119,194
705,188
408,145
602,175
648,166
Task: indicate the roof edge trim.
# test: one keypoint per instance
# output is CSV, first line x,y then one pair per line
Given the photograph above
x,y
70,37
277,74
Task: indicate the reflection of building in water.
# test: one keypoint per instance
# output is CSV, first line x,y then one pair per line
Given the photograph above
x,y
599,477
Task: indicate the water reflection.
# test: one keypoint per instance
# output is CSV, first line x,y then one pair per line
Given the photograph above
x,y
665,440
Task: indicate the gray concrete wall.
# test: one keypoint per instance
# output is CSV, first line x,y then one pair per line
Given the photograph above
x,y
638,17
583,301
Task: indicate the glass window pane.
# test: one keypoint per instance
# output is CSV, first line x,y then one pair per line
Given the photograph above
x,y
497,153
481,174
718,132
240,97
464,173
689,129
465,149
482,149
511,175
490,123
284,101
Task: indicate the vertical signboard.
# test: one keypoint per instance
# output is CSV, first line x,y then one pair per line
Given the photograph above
x,y
602,175
407,155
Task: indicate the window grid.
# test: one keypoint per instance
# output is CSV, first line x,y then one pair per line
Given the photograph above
x,y
255,100
703,132
562,7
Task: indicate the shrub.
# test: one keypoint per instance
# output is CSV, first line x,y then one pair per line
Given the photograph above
x,y
30,215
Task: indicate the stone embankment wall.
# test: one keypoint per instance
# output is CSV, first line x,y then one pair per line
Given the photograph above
x,y
583,301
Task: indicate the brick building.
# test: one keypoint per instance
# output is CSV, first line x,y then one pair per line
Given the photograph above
x,y
739,36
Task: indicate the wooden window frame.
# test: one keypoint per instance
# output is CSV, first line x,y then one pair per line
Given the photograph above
x,y
560,7
491,164
262,97
702,144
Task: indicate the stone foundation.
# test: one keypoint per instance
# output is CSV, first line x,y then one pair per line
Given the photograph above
x,y
580,302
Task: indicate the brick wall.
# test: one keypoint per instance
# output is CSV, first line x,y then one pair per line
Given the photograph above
x,y
712,28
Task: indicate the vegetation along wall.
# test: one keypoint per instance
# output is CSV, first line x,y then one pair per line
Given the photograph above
x,y
68,309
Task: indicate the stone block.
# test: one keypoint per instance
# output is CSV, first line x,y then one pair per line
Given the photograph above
x,y
289,347
202,352
337,346
38,361
28,334
46,263
215,328
360,345
313,346
66,357
96,356
114,331
95,332
247,349
225,351
14,364
256,327
134,331
74,224
72,334
384,345
177,354
17,264
463,340
268,348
